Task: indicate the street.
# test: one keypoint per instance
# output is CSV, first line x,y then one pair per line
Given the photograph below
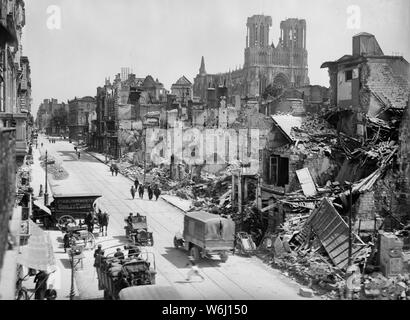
x,y
239,278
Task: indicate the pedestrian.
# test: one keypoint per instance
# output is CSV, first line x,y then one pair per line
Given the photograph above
x,y
157,192
116,170
36,144
112,170
78,155
41,144
98,251
132,192
67,240
119,254
141,191
150,193
194,270
41,285
75,148
136,183
89,221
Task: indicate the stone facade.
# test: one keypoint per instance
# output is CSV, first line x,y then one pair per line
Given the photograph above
x,y
82,111
15,84
282,66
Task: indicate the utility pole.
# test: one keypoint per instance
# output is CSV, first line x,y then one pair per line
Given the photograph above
x,y
46,193
350,225
72,293
145,152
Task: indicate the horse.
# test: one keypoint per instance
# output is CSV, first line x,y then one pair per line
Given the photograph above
x,y
89,221
103,219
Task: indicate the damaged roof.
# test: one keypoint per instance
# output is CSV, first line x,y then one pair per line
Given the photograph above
x,y
286,122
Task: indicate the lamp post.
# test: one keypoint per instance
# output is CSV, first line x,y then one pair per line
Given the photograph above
x,y
45,192
350,225
72,293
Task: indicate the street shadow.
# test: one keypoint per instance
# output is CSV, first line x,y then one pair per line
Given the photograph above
x,y
186,281
66,263
179,258
122,239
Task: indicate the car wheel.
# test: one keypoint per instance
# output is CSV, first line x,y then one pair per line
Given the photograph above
x,y
224,257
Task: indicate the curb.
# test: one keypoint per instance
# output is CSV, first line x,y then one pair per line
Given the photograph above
x,y
175,206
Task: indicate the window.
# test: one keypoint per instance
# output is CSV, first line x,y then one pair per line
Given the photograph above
x,y
348,75
278,171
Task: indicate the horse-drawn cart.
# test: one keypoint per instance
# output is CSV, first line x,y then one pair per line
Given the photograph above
x,y
68,209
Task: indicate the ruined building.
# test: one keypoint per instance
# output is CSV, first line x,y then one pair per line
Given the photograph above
x,y
283,66
366,84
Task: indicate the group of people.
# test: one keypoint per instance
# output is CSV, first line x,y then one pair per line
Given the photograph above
x,y
153,190
52,140
114,169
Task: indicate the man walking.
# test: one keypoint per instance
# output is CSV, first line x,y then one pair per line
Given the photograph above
x,y
116,170
112,170
141,191
194,270
136,183
157,192
41,285
132,192
78,155
150,193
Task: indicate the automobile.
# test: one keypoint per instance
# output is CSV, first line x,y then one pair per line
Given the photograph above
x,y
206,234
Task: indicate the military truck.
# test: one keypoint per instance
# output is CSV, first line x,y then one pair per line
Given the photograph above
x,y
206,234
115,274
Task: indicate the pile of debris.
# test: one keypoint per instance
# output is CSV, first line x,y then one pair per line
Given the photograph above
x,y
54,168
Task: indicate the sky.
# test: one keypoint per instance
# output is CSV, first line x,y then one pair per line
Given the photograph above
x,y
167,38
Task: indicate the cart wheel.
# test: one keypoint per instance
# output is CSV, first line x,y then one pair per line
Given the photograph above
x,y
195,253
176,244
22,294
64,220
89,241
224,257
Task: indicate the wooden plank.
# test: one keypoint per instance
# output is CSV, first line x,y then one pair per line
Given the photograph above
x,y
324,233
306,181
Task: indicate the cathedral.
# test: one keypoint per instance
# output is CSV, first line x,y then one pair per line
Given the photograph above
x,y
282,66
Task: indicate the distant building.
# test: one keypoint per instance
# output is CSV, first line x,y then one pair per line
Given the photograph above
x,y
282,66
182,89
81,113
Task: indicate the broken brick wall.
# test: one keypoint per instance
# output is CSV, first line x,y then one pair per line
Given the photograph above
x,y
404,162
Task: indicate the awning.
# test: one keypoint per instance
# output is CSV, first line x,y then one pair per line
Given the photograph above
x,y
38,253
42,207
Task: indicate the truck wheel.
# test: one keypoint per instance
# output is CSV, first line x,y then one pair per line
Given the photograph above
x,y
224,257
195,253
176,244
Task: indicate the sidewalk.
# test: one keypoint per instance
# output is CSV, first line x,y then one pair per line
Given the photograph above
x,y
62,277
175,201
181,204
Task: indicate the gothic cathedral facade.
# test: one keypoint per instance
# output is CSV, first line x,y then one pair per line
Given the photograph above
x,y
285,65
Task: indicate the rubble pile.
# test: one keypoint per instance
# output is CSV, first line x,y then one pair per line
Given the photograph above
x,y
54,168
